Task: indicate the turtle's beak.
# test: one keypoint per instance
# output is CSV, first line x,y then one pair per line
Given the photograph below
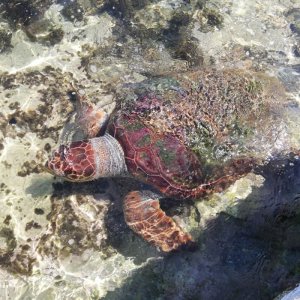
x,y
56,164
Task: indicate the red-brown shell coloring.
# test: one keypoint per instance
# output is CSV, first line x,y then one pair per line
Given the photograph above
x,y
162,159
202,136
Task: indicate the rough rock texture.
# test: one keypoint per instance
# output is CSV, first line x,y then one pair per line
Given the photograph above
x,y
65,241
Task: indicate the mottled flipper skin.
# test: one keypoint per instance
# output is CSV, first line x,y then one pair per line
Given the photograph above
x,y
144,216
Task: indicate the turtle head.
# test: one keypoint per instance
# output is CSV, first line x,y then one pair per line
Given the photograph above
x,y
88,160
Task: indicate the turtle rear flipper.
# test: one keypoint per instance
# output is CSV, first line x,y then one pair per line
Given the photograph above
x,y
145,217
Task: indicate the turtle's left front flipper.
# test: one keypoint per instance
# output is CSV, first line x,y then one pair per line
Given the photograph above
x,y
86,122
145,217
92,120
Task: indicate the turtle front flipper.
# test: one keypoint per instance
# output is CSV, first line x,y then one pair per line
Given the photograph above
x,y
145,217
86,122
91,119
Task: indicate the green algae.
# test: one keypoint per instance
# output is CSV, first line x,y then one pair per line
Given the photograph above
x,y
209,19
5,40
144,141
254,87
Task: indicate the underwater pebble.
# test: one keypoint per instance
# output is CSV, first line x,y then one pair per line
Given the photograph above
x,y
93,68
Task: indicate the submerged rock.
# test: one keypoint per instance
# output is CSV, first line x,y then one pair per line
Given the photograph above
x,y
76,10
5,40
23,12
44,32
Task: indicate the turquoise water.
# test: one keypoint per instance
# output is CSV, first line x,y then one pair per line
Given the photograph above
x,y
61,240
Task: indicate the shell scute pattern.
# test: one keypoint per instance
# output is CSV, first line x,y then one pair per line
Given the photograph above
x,y
161,160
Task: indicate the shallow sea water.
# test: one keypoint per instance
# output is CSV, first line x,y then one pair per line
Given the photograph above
x,y
61,240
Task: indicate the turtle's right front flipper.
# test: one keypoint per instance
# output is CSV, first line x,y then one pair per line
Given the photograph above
x,y
145,217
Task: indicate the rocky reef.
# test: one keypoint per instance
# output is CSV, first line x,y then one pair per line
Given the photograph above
x,y
61,240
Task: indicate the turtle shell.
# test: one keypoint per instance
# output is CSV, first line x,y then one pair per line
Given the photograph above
x,y
159,159
192,135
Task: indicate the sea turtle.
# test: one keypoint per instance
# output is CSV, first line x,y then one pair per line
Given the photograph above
x,y
195,135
